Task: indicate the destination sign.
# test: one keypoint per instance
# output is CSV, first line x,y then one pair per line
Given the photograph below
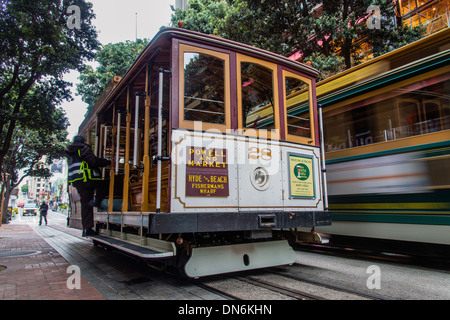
x,y
206,172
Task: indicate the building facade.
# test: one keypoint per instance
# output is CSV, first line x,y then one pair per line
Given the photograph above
x,y
432,15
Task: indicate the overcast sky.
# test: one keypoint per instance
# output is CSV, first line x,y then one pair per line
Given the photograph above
x,y
115,22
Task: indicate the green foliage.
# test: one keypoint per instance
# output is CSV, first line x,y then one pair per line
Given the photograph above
x,y
30,145
24,188
327,65
201,15
327,33
36,50
113,59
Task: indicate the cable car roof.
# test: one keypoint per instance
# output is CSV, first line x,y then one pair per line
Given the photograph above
x,y
205,39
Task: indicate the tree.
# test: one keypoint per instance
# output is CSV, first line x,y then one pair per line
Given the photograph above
x,y
24,189
37,46
29,147
202,15
328,34
113,59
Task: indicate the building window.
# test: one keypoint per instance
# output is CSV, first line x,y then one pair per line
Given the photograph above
x,y
432,15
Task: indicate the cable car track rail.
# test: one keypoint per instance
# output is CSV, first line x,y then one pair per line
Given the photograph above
x,y
293,293
280,287
328,285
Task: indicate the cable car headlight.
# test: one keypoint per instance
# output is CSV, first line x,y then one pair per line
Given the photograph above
x,y
260,178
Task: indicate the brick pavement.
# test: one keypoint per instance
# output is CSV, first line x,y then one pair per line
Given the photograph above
x,y
104,276
41,275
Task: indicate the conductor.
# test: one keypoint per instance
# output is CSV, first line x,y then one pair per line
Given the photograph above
x,y
86,176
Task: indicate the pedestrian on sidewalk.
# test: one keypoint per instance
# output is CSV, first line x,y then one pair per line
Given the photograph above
x,y
43,212
86,176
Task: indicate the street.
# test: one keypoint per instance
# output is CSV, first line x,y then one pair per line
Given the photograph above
x,y
118,277
52,217
115,276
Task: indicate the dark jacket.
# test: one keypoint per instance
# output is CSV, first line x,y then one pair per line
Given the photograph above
x,y
78,152
43,208
87,155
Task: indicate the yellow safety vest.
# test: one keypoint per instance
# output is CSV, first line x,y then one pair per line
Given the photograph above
x,y
79,170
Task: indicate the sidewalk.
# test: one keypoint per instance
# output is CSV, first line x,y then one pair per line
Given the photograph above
x,y
31,269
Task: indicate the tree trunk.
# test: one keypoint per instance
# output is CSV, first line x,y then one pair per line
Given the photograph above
x,y
346,52
6,192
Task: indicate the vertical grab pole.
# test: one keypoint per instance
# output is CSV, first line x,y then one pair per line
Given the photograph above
x,y
136,128
105,140
146,159
159,155
118,141
322,152
105,132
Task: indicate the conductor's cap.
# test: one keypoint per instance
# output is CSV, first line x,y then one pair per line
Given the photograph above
x,y
79,139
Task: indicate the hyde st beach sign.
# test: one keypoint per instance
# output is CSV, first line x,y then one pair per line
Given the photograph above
x,y
206,172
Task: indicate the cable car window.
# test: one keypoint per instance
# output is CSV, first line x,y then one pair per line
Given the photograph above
x,y
395,114
204,88
298,105
257,96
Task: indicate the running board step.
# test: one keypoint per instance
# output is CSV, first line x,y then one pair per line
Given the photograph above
x,y
133,249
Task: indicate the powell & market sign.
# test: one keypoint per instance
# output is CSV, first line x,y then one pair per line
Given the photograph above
x,y
206,172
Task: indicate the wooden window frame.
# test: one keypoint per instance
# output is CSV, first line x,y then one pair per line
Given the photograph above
x,y
276,109
188,124
290,137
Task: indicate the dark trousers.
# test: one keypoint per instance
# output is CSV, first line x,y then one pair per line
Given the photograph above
x,y
43,215
86,190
